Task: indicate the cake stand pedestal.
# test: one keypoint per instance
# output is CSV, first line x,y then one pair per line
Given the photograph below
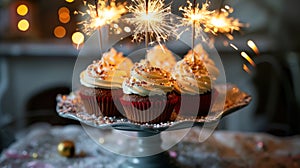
x,y
146,144
148,135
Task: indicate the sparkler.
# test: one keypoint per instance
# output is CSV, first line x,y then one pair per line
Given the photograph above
x,y
221,23
99,26
100,14
152,21
195,17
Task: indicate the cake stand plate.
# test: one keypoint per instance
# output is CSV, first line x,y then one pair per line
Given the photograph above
x,y
69,106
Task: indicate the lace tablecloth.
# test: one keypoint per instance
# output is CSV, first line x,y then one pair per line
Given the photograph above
x,y
36,147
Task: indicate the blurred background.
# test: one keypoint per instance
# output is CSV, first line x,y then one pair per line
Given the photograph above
x,y
38,41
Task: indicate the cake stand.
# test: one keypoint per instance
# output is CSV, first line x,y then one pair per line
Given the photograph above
x,y
69,106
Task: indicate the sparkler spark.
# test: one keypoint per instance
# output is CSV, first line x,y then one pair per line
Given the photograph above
x,y
246,56
245,68
152,20
194,16
101,14
221,23
253,46
233,46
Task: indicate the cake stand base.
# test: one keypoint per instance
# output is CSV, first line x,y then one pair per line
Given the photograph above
x,y
148,144
162,160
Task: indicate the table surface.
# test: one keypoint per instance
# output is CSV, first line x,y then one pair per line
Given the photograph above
x,y
37,147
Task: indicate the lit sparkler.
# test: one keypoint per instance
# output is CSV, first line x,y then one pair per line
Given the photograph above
x,y
152,21
100,14
195,17
221,23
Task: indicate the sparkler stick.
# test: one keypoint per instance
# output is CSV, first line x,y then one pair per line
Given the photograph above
x,y
99,28
193,32
195,18
221,5
147,27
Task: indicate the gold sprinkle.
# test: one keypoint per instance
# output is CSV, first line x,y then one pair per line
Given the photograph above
x,y
35,155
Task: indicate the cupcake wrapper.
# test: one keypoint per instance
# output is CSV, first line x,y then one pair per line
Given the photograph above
x,y
102,105
149,112
189,109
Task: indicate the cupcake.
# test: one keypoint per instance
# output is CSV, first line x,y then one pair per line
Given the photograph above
x,y
194,85
161,56
202,55
101,84
149,95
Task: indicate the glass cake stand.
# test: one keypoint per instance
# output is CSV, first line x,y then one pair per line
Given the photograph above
x,y
69,106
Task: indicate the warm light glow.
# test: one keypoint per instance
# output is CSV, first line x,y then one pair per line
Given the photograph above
x,y
99,22
77,38
64,17
59,32
195,16
23,25
218,22
233,46
253,46
221,23
245,68
22,10
69,1
107,14
127,29
63,10
246,56
154,20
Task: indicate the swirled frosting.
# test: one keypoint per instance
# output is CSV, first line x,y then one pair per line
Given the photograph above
x,y
161,56
116,58
109,72
191,77
146,79
202,55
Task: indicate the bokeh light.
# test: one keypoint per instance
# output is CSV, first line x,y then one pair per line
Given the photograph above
x,y
127,29
22,10
59,32
69,1
64,15
77,38
23,25
63,10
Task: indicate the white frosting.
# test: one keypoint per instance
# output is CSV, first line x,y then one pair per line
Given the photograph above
x,y
146,79
116,58
109,72
202,55
191,77
160,56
